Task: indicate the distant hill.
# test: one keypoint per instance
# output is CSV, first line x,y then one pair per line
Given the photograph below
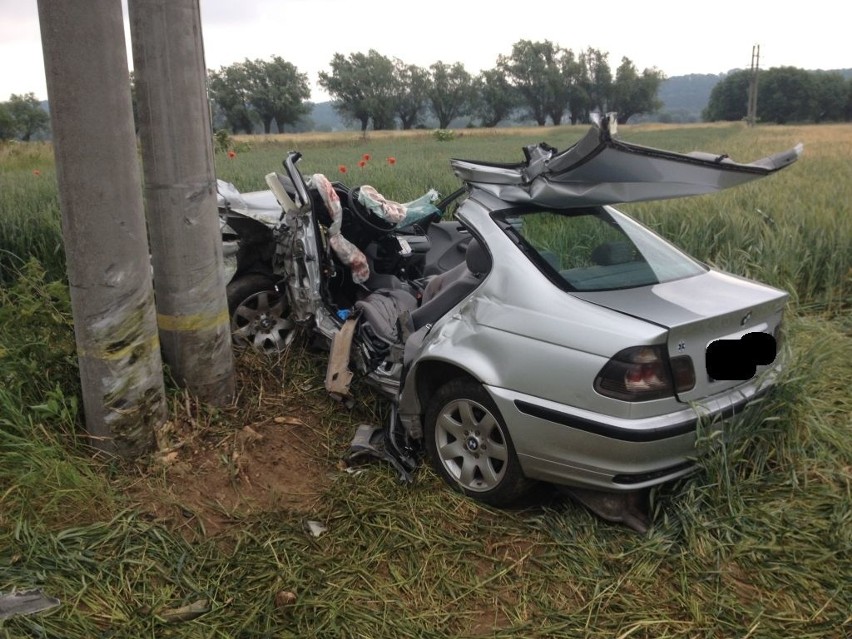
x,y
685,96
325,118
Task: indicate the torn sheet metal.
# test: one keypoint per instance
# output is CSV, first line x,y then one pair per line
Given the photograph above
x,y
259,205
599,169
370,442
25,603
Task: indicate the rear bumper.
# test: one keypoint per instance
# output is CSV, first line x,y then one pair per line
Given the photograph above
x,y
565,445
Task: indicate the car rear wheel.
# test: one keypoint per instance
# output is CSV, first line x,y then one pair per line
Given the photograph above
x,y
260,316
468,444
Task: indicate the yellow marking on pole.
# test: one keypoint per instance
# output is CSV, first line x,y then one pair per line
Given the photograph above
x,y
196,322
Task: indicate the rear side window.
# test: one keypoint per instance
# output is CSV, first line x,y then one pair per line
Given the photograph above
x,y
596,249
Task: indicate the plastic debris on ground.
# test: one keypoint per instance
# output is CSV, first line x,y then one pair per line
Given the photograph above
x,y
315,528
25,603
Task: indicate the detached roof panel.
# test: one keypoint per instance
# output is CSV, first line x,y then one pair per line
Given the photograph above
x,y
602,170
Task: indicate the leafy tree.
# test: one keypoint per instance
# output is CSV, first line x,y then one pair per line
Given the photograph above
x,y
563,84
595,81
495,97
412,90
579,105
276,91
831,94
362,87
230,88
785,94
28,118
7,123
451,92
633,93
729,98
543,74
849,100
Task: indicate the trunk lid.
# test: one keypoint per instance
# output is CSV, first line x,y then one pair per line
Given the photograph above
x,y
697,311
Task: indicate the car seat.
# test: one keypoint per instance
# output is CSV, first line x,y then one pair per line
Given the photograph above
x,y
611,253
390,314
444,291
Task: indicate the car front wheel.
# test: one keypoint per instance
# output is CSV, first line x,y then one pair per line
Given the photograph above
x,y
260,316
468,444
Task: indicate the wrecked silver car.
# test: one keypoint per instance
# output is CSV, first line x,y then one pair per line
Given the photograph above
x,y
541,334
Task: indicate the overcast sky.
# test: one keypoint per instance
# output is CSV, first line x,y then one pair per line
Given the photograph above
x,y
676,37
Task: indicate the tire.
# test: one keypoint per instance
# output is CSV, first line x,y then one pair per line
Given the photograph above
x,y
260,316
468,444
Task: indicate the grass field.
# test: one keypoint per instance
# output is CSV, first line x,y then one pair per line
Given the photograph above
x,y
757,544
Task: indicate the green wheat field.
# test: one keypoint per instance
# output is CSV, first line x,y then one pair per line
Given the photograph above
x,y
757,544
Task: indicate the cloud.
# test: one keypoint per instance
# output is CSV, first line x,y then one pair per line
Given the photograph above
x,y
18,22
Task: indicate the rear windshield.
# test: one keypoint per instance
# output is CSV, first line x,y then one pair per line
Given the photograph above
x,y
595,249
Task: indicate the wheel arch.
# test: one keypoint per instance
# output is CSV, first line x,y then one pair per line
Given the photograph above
x,y
432,374
422,383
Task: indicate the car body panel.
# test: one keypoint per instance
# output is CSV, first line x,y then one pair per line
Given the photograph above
x,y
518,330
602,170
566,445
727,307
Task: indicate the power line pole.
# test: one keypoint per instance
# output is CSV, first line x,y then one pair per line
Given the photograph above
x,y
180,194
751,118
103,224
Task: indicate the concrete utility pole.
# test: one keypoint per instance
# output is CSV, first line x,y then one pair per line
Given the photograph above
x,y
180,194
103,224
751,118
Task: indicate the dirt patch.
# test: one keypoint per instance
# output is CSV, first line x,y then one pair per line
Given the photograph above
x,y
201,482
275,450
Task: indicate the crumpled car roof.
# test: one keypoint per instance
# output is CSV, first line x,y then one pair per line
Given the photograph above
x,y
600,169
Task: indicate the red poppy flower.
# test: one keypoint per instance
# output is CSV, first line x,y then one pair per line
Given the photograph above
x,y
342,168
362,163
391,160
232,154
365,157
36,172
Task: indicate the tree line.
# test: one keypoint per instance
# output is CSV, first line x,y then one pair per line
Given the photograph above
x,y
784,94
538,81
541,81
22,118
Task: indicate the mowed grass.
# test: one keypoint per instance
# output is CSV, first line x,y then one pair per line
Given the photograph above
x,y
757,544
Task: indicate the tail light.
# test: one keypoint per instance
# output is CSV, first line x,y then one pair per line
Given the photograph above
x,y
642,373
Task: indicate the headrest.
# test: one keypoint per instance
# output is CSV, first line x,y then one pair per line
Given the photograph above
x,y
611,253
477,258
